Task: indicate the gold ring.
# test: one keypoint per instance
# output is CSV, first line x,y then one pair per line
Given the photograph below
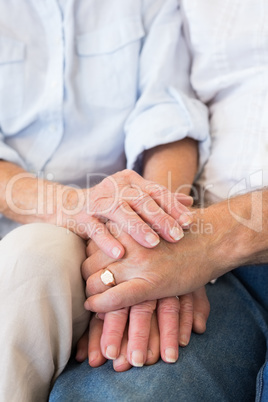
x,y
107,278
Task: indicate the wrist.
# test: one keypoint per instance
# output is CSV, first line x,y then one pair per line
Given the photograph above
x,y
233,238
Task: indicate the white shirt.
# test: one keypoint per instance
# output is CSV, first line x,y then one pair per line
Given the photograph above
x,y
98,80
229,45
85,88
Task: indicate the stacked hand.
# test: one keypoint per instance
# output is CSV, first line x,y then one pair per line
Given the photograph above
x,y
139,207
140,334
124,216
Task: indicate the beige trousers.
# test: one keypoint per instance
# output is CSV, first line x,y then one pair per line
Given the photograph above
x,y
41,308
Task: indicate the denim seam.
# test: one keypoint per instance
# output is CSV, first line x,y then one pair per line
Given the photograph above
x,y
260,384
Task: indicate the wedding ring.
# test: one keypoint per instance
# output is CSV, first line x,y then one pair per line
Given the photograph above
x,y
107,278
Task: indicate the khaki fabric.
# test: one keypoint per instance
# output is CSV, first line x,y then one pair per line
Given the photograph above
x,y
41,308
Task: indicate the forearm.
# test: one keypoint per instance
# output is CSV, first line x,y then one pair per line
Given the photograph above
x,y
24,197
173,165
235,232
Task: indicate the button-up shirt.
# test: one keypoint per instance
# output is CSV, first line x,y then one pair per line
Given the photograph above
x,y
87,86
229,73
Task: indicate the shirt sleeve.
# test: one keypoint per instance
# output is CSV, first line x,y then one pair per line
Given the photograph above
x,y
167,109
9,154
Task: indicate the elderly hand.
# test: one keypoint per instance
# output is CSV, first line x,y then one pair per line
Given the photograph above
x,y
167,270
129,200
148,334
153,327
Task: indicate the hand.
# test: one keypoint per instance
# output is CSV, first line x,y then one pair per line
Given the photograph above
x,y
130,201
176,319
167,270
128,344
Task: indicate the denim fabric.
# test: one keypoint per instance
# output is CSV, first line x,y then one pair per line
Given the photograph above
x,y
221,365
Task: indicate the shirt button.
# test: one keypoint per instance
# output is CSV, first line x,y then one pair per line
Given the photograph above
x,y
54,84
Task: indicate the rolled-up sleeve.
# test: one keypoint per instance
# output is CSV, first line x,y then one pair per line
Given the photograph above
x,y
167,109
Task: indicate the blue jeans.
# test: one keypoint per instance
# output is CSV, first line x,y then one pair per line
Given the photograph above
x,y
227,363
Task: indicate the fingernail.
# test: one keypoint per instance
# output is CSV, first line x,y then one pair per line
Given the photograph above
x,y
176,233
100,316
187,197
152,239
186,225
183,340
111,352
137,358
120,361
185,221
149,354
80,356
116,252
92,357
171,355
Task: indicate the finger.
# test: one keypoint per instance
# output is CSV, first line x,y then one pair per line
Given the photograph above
x,y
95,357
161,221
128,221
162,196
186,318
121,363
186,200
123,295
98,232
112,335
153,352
82,348
95,283
201,310
96,262
139,332
91,247
168,322
170,203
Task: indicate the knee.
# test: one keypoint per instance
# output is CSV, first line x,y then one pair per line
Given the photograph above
x,y
41,250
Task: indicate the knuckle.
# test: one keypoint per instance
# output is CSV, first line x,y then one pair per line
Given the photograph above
x,y
157,191
96,230
172,332
140,336
119,314
113,332
124,174
139,200
90,288
98,205
186,306
174,209
120,206
169,306
186,326
162,220
130,173
143,309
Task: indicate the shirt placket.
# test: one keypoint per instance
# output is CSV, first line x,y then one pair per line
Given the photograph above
x,y
51,114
